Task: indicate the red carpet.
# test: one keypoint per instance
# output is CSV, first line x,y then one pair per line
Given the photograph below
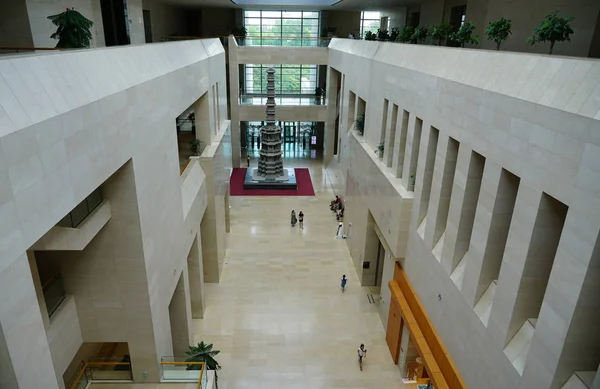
x,y
305,187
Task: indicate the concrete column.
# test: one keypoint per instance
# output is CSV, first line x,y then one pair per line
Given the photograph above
x,y
400,144
202,114
234,100
196,278
411,156
502,325
333,78
390,135
35,275
426,176
180,318
23,341
490,228
465,193
213,223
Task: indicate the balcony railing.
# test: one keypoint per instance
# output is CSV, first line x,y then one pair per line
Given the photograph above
x,y
81,211
256,99
54,293
175,369
283,41
98,370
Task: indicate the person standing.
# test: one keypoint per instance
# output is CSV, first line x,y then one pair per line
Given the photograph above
x,y
294,220
362,353
248,160
301,219
344,280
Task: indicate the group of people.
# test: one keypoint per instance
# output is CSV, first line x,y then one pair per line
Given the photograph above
x,y
337,207
299,219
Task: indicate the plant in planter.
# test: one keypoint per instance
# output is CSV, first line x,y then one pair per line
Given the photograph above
x,y
73,30
405,34
370,36
394,34
438,34
465,35
195,147
498,31
419,34
319,94
379,150
203,353
359,123
383,35
240,33
553,29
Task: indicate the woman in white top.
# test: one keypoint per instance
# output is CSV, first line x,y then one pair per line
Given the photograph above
x,y
362,352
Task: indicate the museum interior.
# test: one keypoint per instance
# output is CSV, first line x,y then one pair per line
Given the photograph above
x,y
184,185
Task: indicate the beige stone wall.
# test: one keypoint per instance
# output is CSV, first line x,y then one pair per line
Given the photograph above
x,y
124,279
540,129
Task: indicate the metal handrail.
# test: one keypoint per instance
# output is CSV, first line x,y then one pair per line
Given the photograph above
x,y
25,48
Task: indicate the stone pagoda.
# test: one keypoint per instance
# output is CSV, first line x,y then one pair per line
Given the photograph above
x,y
270,172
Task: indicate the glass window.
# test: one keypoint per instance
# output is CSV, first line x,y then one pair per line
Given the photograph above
x,y
369,21
289,79
282,28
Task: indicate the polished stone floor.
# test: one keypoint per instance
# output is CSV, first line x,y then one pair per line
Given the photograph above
x,y
278,315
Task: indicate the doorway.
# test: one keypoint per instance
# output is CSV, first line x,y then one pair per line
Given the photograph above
x,y
115,19
147,26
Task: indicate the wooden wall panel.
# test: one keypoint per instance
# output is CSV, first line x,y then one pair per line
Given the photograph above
x,y
394,330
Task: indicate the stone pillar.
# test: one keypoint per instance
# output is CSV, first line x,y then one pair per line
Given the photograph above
x,y
180,317
38,288
202,118
196,278
400,144
234,101
333,78
23,341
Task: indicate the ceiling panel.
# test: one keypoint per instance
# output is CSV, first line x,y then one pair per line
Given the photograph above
x,y
345,5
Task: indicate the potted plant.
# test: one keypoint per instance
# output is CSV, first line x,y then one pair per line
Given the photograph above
x,y
240,33
553,29
394,34
203,353
405,34
359,123
419,34
498,31
382,35
195,147
438,34
379,150
319,94
465,35
73,30
370,36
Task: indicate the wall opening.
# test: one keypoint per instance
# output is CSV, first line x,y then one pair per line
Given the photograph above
x,y
178,317
434,135
467,216
448,172
384,117
543,245
389,156
414,155
402,144
351,109
361,112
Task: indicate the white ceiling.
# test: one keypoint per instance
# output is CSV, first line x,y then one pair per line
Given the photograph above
x,y
344,5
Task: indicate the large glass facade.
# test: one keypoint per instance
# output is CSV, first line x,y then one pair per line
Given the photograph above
x,y
369,21
289,79
282,28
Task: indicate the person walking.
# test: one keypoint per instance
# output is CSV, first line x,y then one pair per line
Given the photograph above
x,y
362,353
294,220
344,280
301,219
248,160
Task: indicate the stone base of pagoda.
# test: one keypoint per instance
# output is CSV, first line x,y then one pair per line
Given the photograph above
x,y
286,181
